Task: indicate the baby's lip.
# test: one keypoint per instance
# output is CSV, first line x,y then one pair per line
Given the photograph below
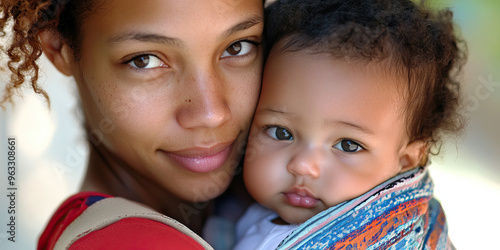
x,y
300,197
302,191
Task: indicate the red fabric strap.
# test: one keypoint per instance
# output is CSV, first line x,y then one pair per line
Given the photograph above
x,y
136,233
127,233
65,214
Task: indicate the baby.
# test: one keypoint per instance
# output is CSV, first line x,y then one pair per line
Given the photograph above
x,y
355,95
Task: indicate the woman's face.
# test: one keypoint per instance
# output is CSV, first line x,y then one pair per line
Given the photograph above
x,y
169,87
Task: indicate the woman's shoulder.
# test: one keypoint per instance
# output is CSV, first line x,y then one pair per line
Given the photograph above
x,y
136,233
66,213
91,220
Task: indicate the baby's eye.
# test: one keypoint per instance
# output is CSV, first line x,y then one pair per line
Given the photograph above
x,y
239,48
348,146
146,62
279,133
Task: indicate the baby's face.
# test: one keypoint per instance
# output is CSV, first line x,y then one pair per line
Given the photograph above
x,y
325,131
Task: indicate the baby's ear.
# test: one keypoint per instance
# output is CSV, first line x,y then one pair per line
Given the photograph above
x,y
57,51
413,154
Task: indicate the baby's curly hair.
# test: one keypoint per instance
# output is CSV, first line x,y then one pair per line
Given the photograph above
x,y
26,19
408,38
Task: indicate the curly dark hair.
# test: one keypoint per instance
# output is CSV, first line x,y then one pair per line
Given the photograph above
x,y
409,38
26,19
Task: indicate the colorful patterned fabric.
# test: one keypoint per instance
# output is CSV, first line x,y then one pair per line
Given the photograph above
x,y
398,214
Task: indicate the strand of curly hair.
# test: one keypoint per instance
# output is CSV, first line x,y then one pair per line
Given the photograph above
x,y
27,19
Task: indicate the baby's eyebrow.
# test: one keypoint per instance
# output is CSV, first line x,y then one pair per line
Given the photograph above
x,y
271,111
349,124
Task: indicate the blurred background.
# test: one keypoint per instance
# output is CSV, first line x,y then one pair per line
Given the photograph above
x,y
52,152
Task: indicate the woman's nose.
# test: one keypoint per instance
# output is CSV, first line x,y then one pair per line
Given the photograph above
x,y
205,102
307,162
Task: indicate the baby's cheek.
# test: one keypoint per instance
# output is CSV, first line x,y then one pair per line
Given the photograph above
x,y
257,179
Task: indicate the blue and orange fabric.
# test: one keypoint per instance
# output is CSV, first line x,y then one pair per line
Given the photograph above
x,y
400,213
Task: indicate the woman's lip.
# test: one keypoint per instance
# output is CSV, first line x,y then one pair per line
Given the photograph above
x,y
300,197
202,160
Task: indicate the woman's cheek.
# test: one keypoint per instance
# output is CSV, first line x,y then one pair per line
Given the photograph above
x,y
247,102
125,115
248,83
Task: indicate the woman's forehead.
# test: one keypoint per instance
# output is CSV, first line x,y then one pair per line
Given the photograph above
x,y
174,10
173,19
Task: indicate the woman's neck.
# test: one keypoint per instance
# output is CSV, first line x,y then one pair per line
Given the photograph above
x,y
108,174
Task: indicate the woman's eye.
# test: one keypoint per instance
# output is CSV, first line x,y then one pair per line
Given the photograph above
x,y
239,48
146,62
348,146
279,133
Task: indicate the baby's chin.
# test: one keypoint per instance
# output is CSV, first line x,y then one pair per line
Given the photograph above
x,y
294,214
297,218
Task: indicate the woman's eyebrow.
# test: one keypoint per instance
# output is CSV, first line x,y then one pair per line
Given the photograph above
x,y
246,24
158,38
143,37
